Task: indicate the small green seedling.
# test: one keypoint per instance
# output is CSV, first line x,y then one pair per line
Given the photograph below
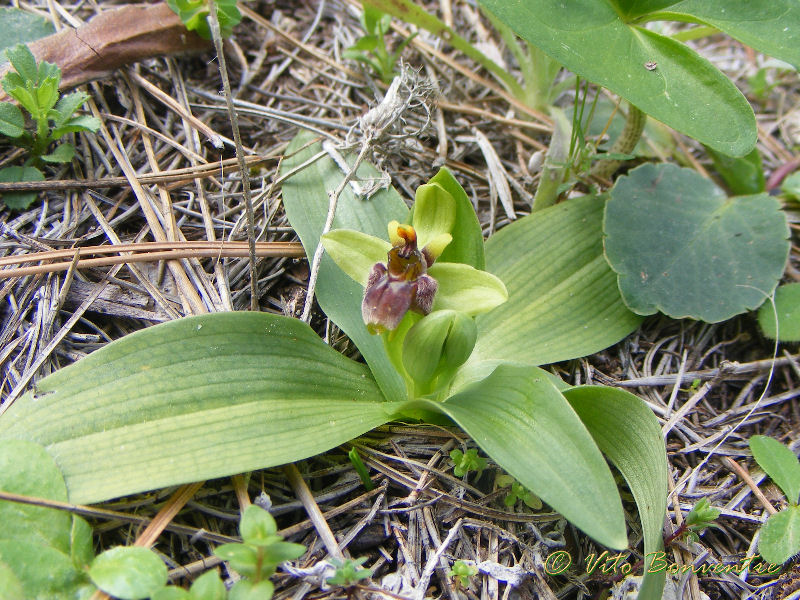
x,y
464,463
701,516
517,492
370,49
349,572
461,571
360,468
35,87
194,15
778,540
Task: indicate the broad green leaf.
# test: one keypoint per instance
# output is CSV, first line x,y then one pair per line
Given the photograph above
x,y
770,26
242,557
635,8
43,571
527,426
10,583
305,198
680,246
563,300
467,244
61,154
128,572
787,310
779,463
19,200
685,91
27,469
466,289
780,536
12,123
355,253
791,185
173,592
19,26
628,433
743,175
195,399
364,44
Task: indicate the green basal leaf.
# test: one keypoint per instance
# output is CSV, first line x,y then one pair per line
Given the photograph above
x,y
787,311
305,198
527,426
780,536
628,434
10,583
464,288
43,571
76,125
247,590
128,572
684,91
173,592
195,399
770,26
355,253
364,44
563,300
19,200
680,246
241,557
779,463
467,244
12,122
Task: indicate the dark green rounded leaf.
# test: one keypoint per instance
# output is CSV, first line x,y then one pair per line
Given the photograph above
x,y
787,307
678,245
128,572
208,587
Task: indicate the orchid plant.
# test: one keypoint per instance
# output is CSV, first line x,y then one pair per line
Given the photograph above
x,y
452,330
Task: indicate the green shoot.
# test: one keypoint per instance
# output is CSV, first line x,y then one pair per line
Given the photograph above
x,y
462,573
360,468
370,49
464,463
194,14
349,572
35,87
517,492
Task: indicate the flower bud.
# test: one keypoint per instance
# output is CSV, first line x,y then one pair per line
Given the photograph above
x,y
437,345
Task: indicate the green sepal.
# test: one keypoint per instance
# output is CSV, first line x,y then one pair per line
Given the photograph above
x,y
355,252
434,213
465,288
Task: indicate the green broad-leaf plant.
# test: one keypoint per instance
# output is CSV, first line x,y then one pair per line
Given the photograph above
x,y
217,394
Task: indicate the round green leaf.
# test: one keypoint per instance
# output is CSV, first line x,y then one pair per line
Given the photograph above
x,y
128,572
780,536
678,245
19,200
247,590
208,587
43,571
787,307
257,526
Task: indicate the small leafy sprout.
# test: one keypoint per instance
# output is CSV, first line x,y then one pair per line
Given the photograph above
x,y
462,572
701,516
261,550
348,572
517,492
35,87
777,543
194,15
370,49
464,463
360,468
